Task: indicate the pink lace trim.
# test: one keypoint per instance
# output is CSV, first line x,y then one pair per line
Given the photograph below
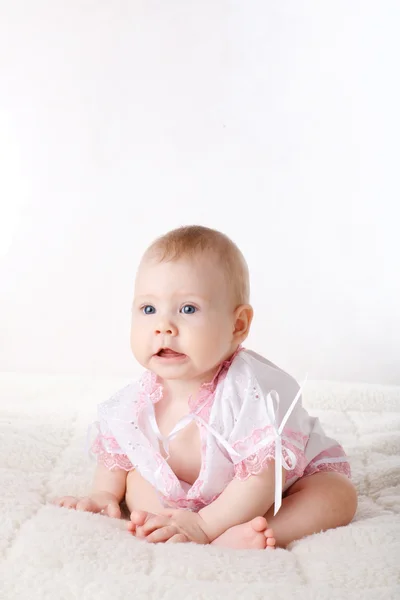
x,y
257,462
194,504
257,435
109,459
207,390
150,387
325,461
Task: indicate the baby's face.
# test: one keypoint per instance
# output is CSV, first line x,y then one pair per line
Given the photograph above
x,y
182,318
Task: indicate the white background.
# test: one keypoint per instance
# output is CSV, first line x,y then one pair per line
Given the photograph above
x,y
276,122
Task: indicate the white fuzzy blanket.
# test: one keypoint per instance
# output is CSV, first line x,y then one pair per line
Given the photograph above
x,y
50,553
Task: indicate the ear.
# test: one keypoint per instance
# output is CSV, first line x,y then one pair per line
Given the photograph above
x,y
243,317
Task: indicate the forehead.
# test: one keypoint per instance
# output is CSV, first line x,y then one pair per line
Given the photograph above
x,y
198,275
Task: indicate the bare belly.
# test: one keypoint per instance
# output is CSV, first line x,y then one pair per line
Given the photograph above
x,y
185,454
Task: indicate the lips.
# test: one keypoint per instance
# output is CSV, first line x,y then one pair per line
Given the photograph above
x,y
168,353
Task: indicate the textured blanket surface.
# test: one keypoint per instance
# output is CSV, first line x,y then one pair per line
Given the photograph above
x,y
53,553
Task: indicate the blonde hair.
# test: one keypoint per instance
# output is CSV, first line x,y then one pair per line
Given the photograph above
x,y
193,240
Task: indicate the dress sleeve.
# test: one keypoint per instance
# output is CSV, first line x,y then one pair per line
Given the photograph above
x,y
268,423
101,443
105,448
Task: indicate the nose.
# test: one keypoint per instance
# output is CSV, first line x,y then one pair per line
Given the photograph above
x,y
165,326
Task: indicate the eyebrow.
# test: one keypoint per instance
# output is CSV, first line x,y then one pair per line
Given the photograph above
x,y
180,294
145,297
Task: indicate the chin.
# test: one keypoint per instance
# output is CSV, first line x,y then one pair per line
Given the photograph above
x,y
171,372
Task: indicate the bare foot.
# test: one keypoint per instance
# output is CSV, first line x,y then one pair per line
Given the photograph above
x,y
251,535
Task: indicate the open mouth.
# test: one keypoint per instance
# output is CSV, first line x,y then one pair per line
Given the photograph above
x,y
168,353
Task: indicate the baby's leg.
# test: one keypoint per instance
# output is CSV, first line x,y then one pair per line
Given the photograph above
x,y
315,503
322,501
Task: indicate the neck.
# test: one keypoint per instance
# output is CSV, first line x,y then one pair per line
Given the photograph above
x,y
179,390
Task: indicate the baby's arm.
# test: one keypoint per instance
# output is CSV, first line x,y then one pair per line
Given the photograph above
x,y
108,489
240,502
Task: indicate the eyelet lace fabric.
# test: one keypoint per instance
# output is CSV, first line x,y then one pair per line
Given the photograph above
x,y
257,462
246,419
103,447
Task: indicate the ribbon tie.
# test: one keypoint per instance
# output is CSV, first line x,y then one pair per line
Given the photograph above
x,y
280,460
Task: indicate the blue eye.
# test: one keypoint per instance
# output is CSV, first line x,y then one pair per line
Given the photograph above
x,y
148,309
188,309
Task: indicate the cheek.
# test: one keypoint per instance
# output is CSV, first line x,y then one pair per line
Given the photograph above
x,y
213,337
138,335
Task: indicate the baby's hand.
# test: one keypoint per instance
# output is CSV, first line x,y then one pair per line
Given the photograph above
x,y
101,502
169,526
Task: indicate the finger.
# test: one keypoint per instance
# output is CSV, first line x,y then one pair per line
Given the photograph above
x,y
162,535
154,523
68,502
113,510
87,505
178,538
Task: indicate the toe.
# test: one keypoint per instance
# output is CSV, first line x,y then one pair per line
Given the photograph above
x,y
271,542
259,524
83,505
69,502
269,533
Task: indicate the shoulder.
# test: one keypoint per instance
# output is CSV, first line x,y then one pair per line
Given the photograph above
x,y
264,371
252,375
255,394
121,401
133,396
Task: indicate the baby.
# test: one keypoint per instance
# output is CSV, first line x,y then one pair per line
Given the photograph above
x,y
212,444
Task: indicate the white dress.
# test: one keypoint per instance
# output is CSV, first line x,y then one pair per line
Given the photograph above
x,y
249,414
